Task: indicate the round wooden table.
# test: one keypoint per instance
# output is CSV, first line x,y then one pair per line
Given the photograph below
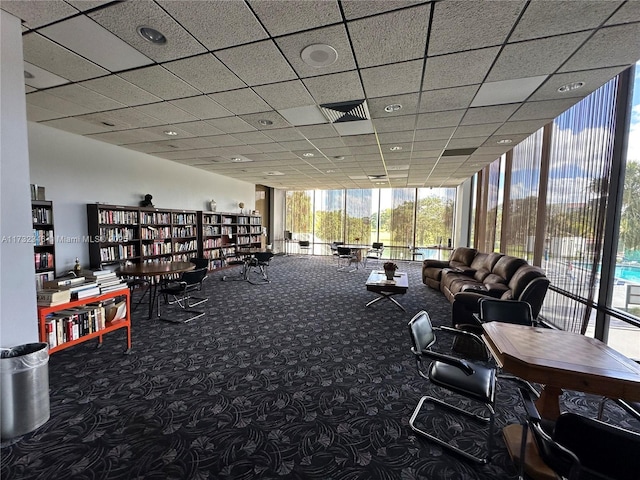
x,y
152,270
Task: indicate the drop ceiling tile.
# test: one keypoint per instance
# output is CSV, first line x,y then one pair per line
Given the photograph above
x,y
123,18
593,79
123,119
448,98
154,134
28,89
206,73
89,99
116,138
42,52
493,114
521,127
120,90
55,104
377,106
301,116
359,140
395,137
231,124
274,148
542,19
328,143
216,24
84,5
42,78
484,24
470,142
257,63
440,119
371,37
395,124
506,91
33,17
85,37
395,79
336,37
285,94
515,138
241,102
284,134
435,133
318,131
166,112
444,71
429,145
295,145
201,107
159,81
535,57
337,87
187,143
597,51
543,110
466,131
254,119
75,125
630,12
280,18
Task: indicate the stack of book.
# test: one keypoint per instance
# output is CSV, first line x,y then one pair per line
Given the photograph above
x,y
106,280
78,287
50,297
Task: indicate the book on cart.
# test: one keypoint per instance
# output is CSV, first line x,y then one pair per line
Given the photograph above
x,y
63,282
51,297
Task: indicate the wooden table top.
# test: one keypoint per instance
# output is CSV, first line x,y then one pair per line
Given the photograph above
x,y
563,359
155,268
377,282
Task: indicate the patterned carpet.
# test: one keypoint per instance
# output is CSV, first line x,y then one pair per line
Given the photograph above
x,y
294,379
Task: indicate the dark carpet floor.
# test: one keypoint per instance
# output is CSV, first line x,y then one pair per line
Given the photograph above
x,y
295,379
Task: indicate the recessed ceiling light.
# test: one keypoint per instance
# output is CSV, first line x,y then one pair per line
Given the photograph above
x,y
504,141
569,87
28,74
151,35
308,154
264,122
331,171
380,183
338,157
108,124
319,55
397,148
171,133
392,108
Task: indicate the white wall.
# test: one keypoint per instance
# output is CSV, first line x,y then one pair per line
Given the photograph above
x,y
76,170
463,214
18,321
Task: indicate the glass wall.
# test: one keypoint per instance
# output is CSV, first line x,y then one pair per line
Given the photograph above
x,y
363,216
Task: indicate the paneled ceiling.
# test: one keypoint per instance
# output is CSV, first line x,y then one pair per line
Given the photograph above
x,y
419,93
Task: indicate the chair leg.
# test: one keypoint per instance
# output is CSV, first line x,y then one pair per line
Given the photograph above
x,y
490,420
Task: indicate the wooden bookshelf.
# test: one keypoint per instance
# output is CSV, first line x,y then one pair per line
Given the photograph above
x,y
143,234
46,314
43,241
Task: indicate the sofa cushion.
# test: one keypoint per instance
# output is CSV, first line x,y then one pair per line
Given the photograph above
x,y
492,278
462,257
507,265
481,274
485,261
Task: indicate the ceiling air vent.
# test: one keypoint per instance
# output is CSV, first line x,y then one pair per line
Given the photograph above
x,y
377,177
352,111
458,152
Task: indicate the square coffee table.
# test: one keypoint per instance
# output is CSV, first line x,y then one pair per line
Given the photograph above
x,y
378,283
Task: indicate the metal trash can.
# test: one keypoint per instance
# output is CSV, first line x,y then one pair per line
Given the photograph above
x,y
24,392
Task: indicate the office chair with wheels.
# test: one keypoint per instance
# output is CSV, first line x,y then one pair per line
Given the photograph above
x,y
471,381
259,264
181,293
374,253
579,447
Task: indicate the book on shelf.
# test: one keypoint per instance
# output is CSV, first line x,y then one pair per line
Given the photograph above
x,y
86,293
113,288
63,282
50,297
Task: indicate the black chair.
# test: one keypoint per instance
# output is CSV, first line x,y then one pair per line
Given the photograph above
x,y
200,262
233,260
374,253
181,291
577,447
346,257
334,248
259,264
134,283
632,408
469,380
305,248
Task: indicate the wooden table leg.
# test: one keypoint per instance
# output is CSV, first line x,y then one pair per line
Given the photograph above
x,y
548,404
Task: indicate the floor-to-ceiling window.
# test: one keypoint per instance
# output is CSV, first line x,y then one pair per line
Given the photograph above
x,y
358,223
299,215
328,218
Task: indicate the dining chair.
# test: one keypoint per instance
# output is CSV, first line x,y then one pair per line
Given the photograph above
x,y
305,248
233,260
181,292
578,447
374,253
467,380
346,257
259,263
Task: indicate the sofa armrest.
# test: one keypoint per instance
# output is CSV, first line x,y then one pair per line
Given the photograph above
x,y
431,263
495,290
